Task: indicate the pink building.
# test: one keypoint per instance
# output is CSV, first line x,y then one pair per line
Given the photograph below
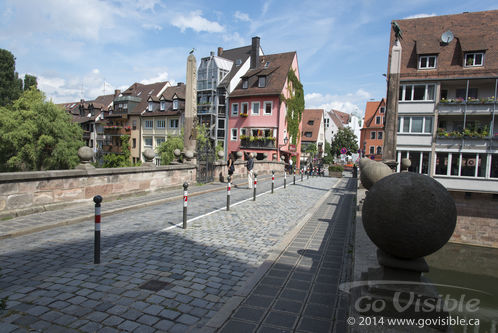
x,y
257,115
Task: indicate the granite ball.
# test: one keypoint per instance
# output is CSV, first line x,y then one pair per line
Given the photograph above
x,y
221,154
149,154
85,154
189,154
177,152
405,164
373,172
409,215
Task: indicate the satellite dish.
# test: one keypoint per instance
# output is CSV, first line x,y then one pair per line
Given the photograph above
x,y
447,37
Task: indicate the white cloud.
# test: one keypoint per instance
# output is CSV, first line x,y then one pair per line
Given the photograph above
x,y
196,22
418,16
150,26
158,78
242,16
95,71
351,102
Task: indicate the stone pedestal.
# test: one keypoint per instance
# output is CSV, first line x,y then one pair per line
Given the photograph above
x,y
86,156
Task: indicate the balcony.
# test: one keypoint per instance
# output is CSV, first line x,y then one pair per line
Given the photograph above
x,y
458,106
257,142
116,130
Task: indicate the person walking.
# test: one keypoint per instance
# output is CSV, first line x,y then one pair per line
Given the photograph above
x,y
250,173
230,164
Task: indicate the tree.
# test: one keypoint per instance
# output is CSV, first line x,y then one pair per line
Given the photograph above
x,y
10,83
344,138
30,81
115,160
329,158
167,148
37,135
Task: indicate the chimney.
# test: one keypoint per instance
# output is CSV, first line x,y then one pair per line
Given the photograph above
x,y
116,93
179,84
220,51
255,52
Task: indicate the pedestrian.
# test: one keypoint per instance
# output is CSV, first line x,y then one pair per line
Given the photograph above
x,y
250,173
291,168
230,164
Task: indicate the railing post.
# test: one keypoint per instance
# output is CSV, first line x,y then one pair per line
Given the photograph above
x,y
185,199
285,179
229,185
255,184
96,244
272,180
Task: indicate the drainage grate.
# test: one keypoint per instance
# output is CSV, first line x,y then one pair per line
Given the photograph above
x,y
154,285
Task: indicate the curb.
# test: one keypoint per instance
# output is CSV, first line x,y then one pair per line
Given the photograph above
x,y
217,321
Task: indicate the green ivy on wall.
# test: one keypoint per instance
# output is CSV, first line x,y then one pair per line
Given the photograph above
x,y
295,107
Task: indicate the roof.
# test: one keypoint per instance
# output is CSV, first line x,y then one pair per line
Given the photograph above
x,y
167,95
315,116
242,53
143,91
371,110
276,71
339,118
476,31
179,90
105,100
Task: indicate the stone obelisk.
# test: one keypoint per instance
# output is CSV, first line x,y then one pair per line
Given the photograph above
x,y
391,126
189,135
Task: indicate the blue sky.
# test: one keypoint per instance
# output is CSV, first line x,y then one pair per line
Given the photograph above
x,y
73,47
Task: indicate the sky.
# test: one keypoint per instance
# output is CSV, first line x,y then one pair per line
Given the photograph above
x,y
83,49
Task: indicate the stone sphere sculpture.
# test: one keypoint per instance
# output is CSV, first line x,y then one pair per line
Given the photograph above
x,y
372,172
239,154
364,162
85,154
149,155
221,154
405,164
189,154
177,152
409,215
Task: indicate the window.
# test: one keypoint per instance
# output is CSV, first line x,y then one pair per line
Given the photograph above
x,y
125,106
245,108
175,104
134,143
474,59
377,120
245,84
427,62
173,123
134,124
268,107
163,105
379,150
149,124
148,142
415,125
255,108
379,135
159,141
161,124
233,137
372,135
326,122
311,122
235,109
151,106
262,81
461,93
372,150
416,92
243,131
308,134
382,109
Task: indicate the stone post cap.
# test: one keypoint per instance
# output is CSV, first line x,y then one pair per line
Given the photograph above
x,y
149,155
85,154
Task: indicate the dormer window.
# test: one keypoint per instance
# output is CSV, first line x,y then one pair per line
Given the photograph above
x,y
311,122
474,59
163,105
238,62
151,106
175,104
245,83
382,109
427,62
262,81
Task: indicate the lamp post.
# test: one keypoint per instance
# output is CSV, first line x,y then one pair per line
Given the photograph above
x,y
286,140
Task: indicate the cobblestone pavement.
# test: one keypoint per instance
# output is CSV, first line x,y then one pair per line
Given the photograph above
x,y
52,284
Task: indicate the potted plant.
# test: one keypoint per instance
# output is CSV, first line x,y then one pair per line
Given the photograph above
x,y
335,171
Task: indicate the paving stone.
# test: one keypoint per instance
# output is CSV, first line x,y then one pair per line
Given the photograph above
x,y
113,321
170,314
128,326
187,319
238,326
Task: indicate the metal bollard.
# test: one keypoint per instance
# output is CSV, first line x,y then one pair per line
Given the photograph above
x,y
285,179
228,192
185,199
302,175
308,174
272,180
294,174
255,184
96,244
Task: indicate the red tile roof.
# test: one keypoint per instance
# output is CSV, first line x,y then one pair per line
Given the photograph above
x,y
315,116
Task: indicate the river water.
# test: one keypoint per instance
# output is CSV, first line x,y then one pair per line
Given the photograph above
x,y
471,276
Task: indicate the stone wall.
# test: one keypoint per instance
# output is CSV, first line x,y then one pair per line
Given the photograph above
x,y
24,193
477,222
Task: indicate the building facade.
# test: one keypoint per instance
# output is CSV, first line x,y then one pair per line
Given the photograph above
x,y
372,132
313,133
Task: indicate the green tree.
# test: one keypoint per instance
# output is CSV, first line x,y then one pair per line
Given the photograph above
x,y
311,149
167,148
329,158
119,160
344,138
30,81
37,135
10,83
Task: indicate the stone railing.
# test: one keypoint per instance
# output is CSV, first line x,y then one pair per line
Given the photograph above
x,y
24,193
